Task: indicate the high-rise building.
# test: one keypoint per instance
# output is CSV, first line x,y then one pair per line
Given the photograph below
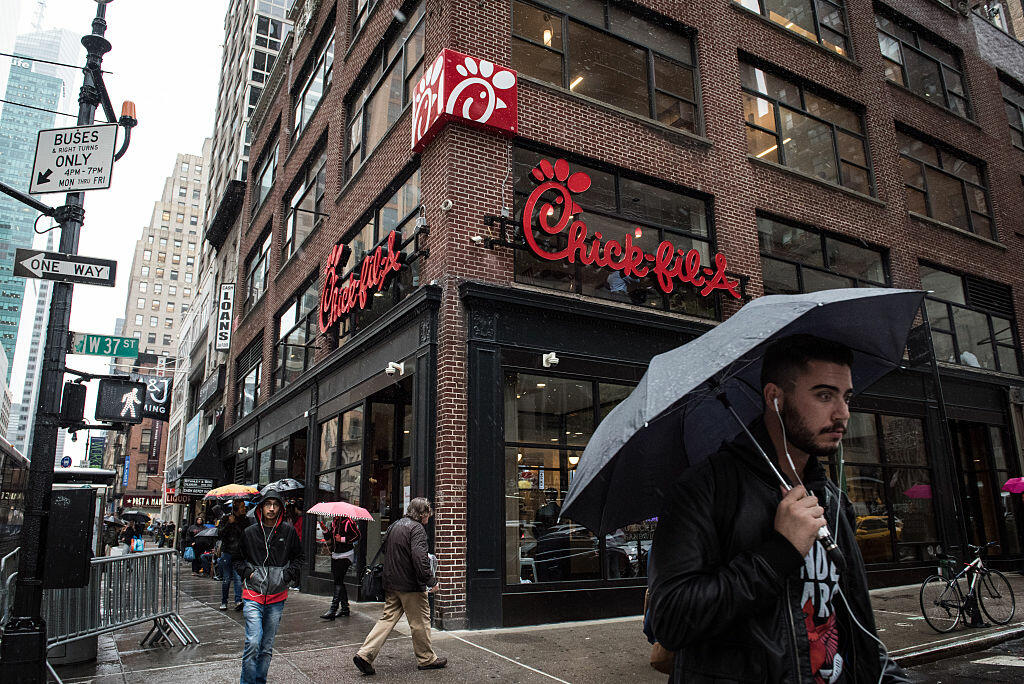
x,y
10,10
163,271
5,394
42,88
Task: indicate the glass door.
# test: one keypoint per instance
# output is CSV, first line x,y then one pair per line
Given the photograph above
x,y
388,451
975,453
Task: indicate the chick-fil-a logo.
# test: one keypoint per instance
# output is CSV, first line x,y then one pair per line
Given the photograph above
x,y
667,263
336,299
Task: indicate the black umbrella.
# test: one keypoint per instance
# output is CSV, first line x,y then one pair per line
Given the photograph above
x,y
674,418
135,516
284,485
111,520
207,532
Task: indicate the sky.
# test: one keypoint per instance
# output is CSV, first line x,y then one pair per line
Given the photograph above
x,y
166,58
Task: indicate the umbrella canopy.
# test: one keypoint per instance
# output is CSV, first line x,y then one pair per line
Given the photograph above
x,y
112,520
207,532
673,418
232,491
919,491
285,485
340,509
135,516
1015,485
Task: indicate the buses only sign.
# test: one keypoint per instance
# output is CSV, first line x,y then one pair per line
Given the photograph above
x,y
73,159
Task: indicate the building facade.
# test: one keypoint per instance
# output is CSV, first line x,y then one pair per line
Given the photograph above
x,y
823,145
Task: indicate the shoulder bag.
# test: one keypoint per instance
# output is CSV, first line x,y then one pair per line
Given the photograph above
x,y
371,586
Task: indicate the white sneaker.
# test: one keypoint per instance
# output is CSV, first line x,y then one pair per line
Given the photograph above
x,y
223,606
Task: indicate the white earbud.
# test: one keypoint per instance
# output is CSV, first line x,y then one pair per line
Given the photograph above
x,y
776,402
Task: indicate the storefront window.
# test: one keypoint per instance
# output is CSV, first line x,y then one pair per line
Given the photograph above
x,y
340,467
548,421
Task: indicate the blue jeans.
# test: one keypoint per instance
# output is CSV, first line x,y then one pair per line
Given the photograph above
x,y
261,622
227,573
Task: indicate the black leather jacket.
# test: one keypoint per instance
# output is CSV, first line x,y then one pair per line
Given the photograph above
x,y
406,563
725,586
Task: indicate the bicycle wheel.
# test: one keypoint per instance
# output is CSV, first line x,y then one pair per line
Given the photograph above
x,y
940,604
996,597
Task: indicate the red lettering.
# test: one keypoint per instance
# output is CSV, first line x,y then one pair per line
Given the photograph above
x,y
372,274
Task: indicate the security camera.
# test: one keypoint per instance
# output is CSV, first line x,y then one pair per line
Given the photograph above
x,y
550,359
394,367
447,205
477,239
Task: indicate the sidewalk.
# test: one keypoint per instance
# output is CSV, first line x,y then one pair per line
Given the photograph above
x,y
309,649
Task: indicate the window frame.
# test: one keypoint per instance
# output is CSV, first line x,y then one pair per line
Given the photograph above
x,y
321,71
257,261
267,165
1018,107
308,321
315,181
764,13
249,362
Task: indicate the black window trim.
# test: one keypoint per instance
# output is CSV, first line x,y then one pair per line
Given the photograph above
x,y
314,66
295,298
319,151
1007,81
847,54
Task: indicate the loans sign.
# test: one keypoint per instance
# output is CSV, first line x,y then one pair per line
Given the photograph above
x,y
73,159
668,264
225,306
338,297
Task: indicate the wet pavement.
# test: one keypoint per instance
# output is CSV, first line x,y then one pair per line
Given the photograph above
x,y
1001,663
309,649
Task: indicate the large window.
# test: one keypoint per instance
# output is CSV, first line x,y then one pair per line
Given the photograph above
x,y
921,64
265,175
297,326
822,21
1013,98
262,65
306,206
269,34
361,10
308,97
256,269
800,259
377,106
248,368
614,206
602,51
972,320
340,469
944,185
548,421
790,125
887,476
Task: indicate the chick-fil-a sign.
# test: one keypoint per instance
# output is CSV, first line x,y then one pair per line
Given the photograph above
x,y
337,299
667,263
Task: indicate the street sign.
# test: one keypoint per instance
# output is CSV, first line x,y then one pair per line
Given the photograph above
x,y
104,345
120,401
196,486
73,159
67,268
65,462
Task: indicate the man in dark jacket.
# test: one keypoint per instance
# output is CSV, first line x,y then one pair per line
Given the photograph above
x,y
407,574
270,557
742,589
230,531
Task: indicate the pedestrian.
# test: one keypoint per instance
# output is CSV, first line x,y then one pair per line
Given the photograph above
x,y
293,516
407,574
340,538
742,588
270,556
190,540
230,533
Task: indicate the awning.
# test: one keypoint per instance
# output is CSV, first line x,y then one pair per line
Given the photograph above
x,y
207,464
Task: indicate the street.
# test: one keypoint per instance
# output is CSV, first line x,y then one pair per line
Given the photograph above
x,y
1001,663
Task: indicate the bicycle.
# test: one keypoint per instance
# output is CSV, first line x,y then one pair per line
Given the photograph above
x,y
943,602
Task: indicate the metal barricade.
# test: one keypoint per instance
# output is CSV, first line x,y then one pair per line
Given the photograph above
x,y
8,573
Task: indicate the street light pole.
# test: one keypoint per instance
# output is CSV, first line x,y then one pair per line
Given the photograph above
x,y
23,649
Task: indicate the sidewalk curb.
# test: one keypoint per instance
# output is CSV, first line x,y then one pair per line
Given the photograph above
x,y
928,653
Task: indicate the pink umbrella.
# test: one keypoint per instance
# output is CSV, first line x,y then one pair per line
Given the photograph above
x,y
919,491
1015,485
340,509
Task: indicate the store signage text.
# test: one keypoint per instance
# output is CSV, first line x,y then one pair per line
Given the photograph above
x,y
224,310
668,264
140,501
171,498
196,486
337,299
458,87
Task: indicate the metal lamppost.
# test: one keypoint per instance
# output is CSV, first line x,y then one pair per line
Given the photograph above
x,y
23,649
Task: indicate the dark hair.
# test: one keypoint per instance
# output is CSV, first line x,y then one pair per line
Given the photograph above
x,y
789,356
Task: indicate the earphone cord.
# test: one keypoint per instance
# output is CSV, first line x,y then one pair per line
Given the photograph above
x,y
785,445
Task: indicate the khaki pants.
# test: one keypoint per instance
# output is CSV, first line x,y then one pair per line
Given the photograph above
x,y
416,608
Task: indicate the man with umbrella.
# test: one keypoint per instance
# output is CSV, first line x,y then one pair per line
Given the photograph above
x,y
744,586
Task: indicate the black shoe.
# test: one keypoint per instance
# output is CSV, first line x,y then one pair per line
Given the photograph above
x,y
344,612
436,665
238,606
363,664
330,614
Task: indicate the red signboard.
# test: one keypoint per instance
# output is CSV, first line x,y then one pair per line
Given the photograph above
x,y
668,264
171,498
337,299
457,87
140,501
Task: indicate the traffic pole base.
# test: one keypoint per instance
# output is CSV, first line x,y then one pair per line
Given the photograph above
x,y
23,651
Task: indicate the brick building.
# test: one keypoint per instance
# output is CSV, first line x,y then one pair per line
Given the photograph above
x,y
819,145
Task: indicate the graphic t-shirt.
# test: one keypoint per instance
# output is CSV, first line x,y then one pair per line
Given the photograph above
x,y
820,582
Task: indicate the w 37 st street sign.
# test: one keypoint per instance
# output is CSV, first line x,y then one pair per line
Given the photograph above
x,y
67,268
103,345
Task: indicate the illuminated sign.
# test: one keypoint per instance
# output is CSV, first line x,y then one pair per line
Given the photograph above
x,y
668,264
339,298
457,87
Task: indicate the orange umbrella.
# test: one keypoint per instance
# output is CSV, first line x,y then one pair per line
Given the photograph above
x,y
232,491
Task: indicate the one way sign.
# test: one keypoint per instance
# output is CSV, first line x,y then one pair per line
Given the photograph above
x,y
68,268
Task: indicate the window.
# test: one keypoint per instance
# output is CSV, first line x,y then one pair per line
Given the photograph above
x,y
179,218
193,220
548,421
142,476
177,243
191,246
822,21
172,289
800,259
262,65
297,327
168,322
921,64
790,125
174,275
182,191
256,271
269,34
614,206
147,254
166,216
265,175
340,467
184,167
381,101
308,97
198,169
361,10
153,321
972,320
161,256
175,258
158,288
306,207
189,261
248,368
149,239
140,303
155,305
151,338
188,291
142,286
170,307
145,271
163,242
138,319
188,277
1013,98
945,186
195,194
616,57
167,340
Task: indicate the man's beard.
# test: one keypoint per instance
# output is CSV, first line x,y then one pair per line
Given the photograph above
x,y
802,437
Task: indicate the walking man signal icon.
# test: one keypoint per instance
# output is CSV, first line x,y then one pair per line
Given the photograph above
x,y
129,400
